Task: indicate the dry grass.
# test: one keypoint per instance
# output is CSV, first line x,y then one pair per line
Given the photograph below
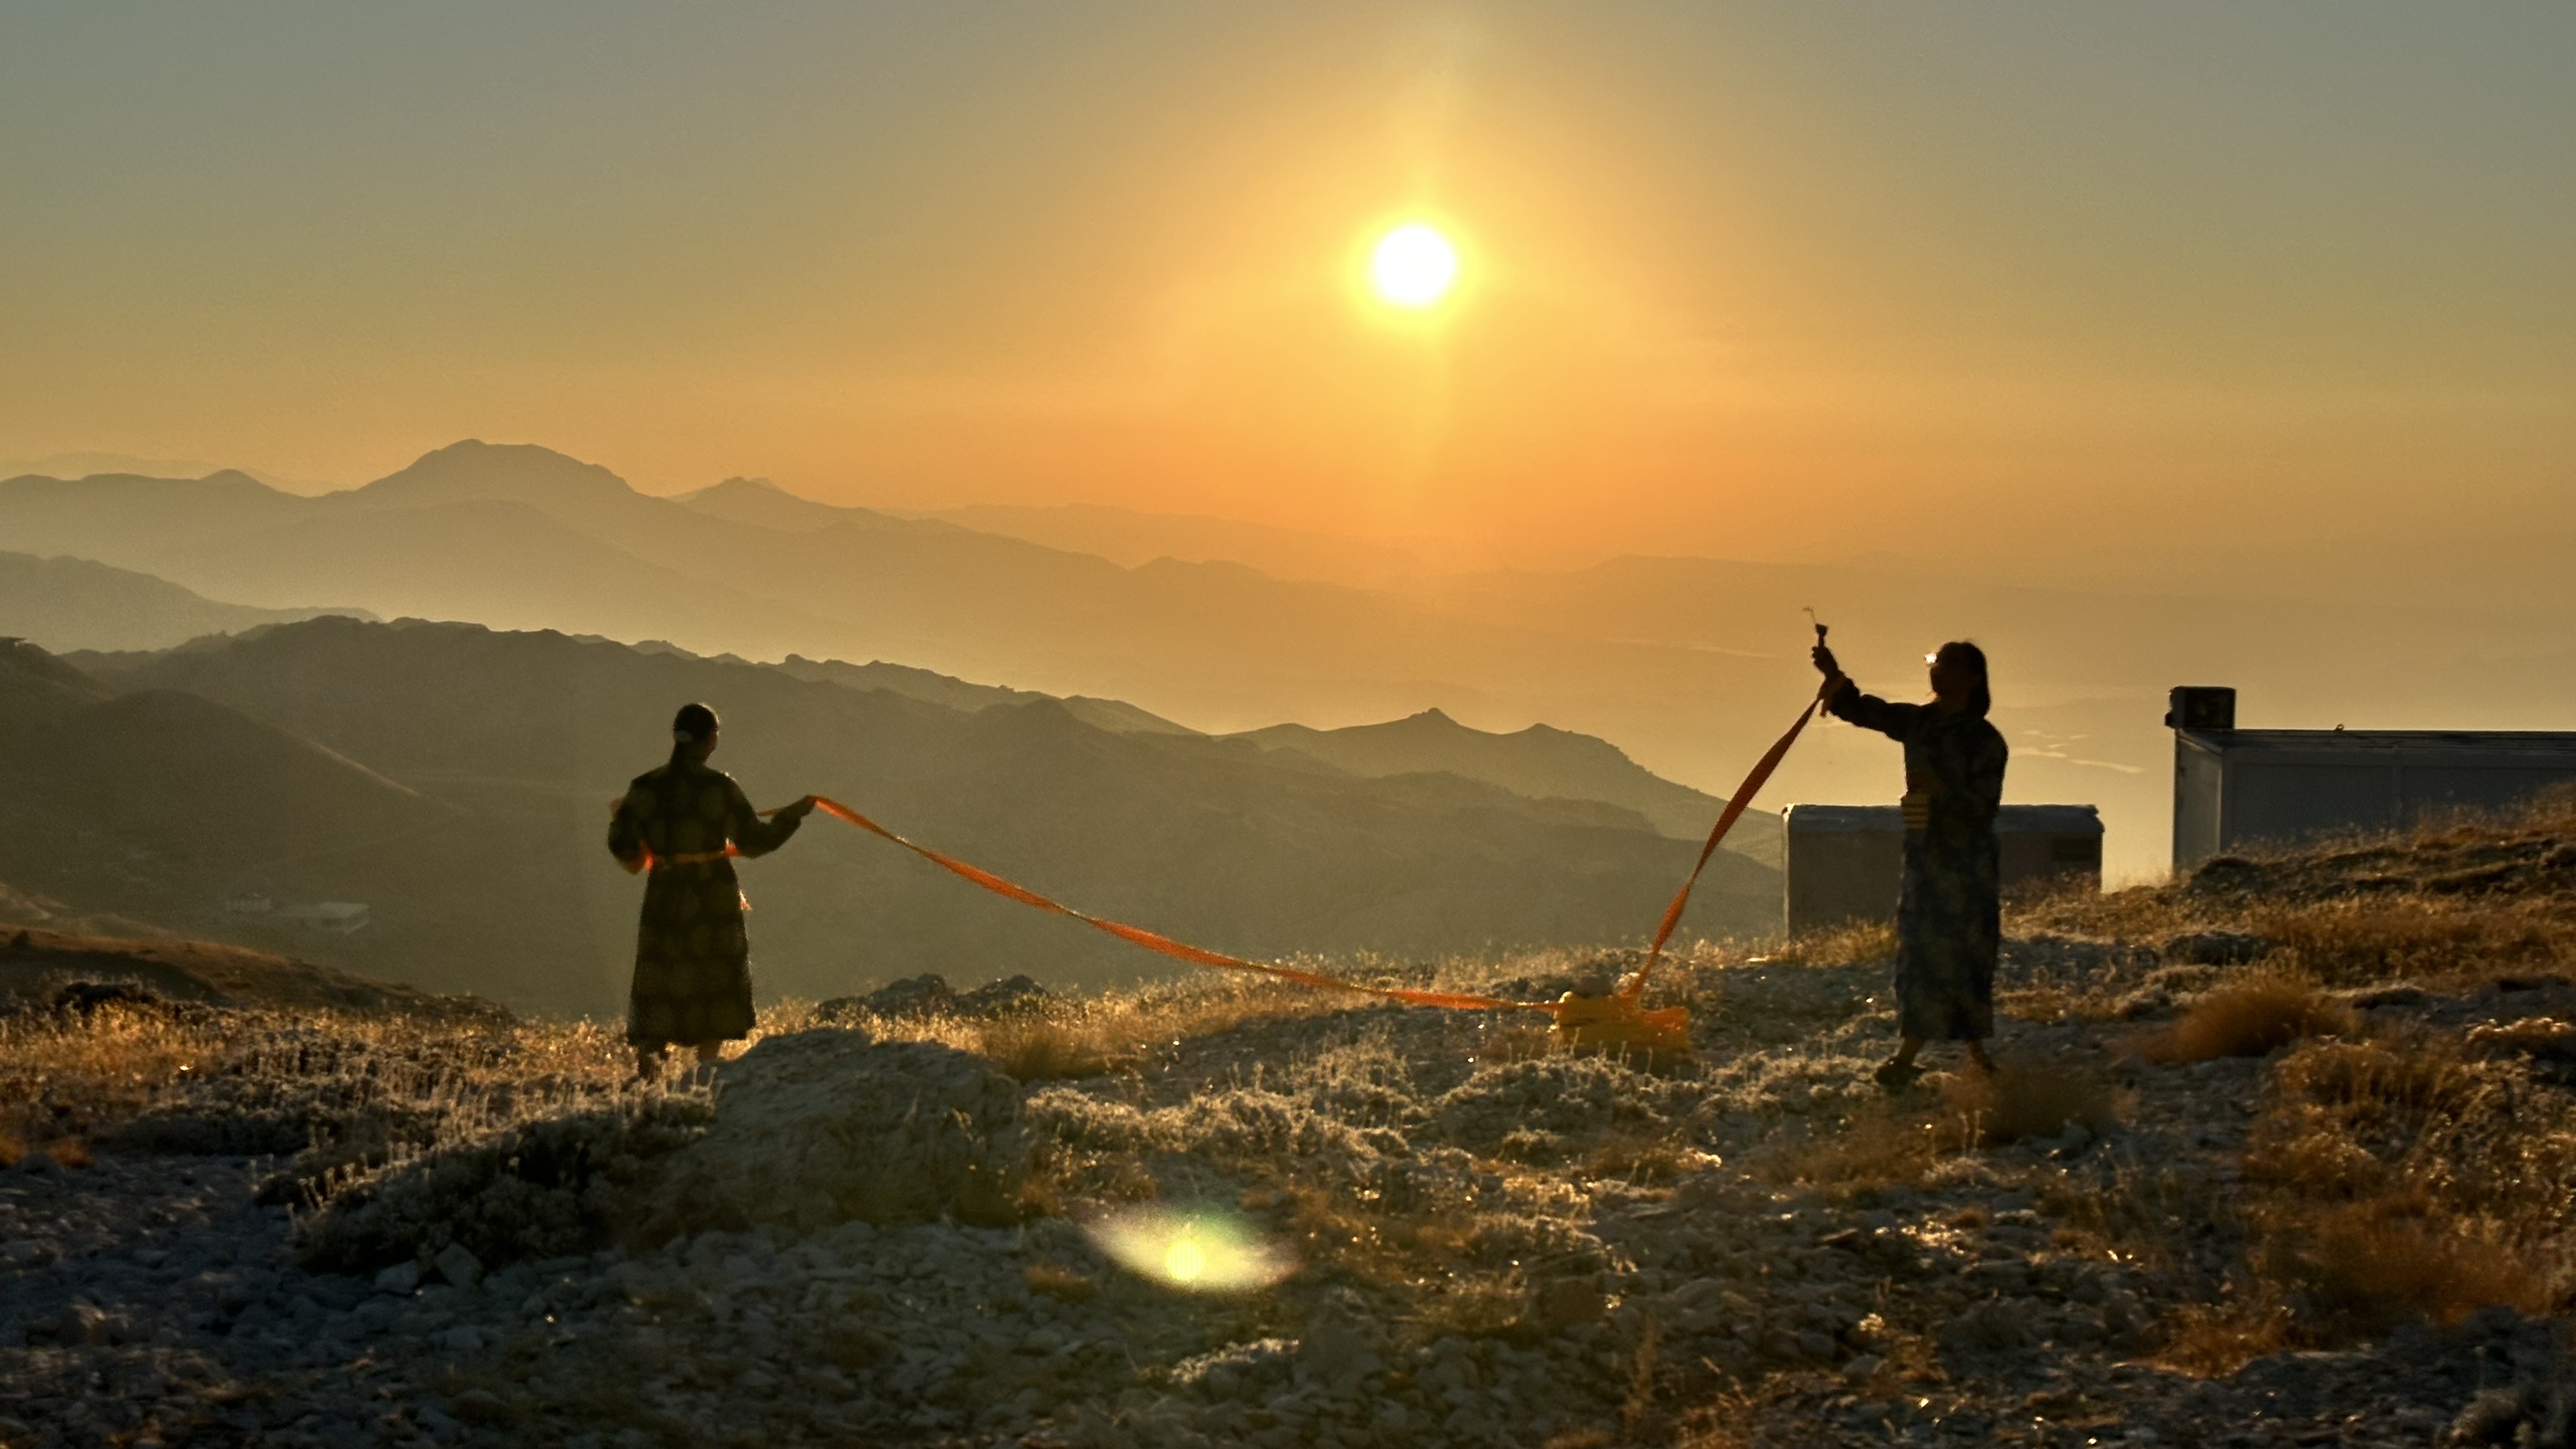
x,y
2441,940
1897,1143
1645,1160
2403,1176
2360,1267
2016,1103
1491,1305
1878,1147
371,1089
2051,1003
1636,1410
2250,1017
2214,1340
2135,913
1348,1235
1068,1040
1852,945
1061,1283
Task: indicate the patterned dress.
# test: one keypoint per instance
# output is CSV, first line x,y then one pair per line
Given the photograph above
x,y
692,956
1949,922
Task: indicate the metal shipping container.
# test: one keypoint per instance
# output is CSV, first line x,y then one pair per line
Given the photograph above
x,y
2239,789
1846,862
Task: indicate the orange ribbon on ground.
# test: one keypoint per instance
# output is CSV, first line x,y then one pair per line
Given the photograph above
x,y
1619,1019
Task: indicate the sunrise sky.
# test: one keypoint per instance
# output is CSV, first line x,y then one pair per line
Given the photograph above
x,y
1775,281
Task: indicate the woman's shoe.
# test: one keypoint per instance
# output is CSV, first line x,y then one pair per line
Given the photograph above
x,y
1897,1076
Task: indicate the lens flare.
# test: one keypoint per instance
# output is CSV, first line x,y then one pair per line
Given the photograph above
x,y
1201,1250
1413,266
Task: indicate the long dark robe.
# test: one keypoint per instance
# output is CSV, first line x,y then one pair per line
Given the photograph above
x,y
692,955
1949,919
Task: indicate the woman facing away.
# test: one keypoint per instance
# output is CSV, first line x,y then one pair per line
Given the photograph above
x,y
1949,920
692,956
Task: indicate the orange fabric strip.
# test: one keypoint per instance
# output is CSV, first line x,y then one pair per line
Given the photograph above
x,y
1670,1024
1165,945
1744,793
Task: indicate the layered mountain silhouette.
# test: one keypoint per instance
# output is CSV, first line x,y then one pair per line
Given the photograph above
x,y
149,803
517,536
73,603
1540,761
1691,665
470,773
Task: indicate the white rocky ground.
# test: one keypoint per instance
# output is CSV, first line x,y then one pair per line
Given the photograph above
x,y
1493,1248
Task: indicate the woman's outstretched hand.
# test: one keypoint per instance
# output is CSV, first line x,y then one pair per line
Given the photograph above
x,y
801,808
1829,667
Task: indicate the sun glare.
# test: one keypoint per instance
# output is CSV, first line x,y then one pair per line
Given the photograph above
x,y
1413,266
1201,1251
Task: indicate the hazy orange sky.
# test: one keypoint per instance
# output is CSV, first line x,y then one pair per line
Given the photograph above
x,y
1766,281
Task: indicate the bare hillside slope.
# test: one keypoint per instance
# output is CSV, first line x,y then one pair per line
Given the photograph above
x,y
2281,1156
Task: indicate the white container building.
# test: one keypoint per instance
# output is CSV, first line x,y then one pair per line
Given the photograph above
x,y
2237,790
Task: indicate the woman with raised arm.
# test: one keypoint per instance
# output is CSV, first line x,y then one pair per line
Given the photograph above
x,y
692,957
1949,920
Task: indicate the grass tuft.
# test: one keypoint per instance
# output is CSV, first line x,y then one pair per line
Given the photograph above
x,y
1897,1143
2215,1340
2362,1267
2017,1103
2250,1017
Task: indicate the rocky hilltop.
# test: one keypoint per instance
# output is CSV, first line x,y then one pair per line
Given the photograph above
x,y
2281,1155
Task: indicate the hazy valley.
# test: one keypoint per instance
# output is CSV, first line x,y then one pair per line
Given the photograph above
x,y
1688,665
456,781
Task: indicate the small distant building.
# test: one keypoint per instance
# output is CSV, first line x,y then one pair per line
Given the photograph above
x,y
2241,789
337,918
1846,863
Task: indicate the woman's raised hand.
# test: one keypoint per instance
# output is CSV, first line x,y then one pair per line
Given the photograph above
x,y
1831,669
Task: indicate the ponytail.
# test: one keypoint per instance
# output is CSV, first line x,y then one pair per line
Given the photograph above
x,y
692,726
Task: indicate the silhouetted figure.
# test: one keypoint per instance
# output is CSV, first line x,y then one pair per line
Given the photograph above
x,y
1949,920
692,957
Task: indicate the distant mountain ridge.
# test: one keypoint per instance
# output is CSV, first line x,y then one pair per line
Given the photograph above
x,y
1128,537
124,785
519,537
1115,716
74,603
487,874
1540,761
1691,665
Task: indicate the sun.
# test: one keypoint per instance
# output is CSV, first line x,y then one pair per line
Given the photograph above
x,y
1413,266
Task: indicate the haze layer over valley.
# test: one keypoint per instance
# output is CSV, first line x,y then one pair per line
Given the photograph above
x,y
1690,665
